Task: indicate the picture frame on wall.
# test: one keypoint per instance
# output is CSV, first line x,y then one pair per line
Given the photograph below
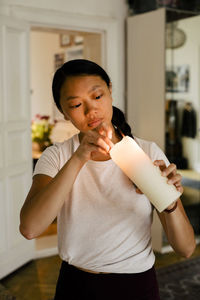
x,y
59,59
178,79
65,40
75,52
78,40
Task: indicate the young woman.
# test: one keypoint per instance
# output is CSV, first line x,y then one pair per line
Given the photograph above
x,y
104,221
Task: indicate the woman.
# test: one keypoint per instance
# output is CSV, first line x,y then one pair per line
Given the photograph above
x,y
104,221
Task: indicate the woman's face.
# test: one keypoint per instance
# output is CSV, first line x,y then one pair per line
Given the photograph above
x,y
86,101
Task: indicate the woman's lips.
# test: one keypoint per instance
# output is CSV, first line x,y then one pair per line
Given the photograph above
x,y
95,123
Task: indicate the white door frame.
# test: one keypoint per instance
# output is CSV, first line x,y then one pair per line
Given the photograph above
x,y
108,27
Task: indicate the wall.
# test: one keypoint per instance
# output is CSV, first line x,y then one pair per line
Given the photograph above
x,y
43,46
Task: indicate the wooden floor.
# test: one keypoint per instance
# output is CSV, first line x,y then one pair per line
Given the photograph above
x,y
34,281
37,279
167,259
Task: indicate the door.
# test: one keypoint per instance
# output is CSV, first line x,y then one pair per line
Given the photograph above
x,y
146,85
15,143
146,75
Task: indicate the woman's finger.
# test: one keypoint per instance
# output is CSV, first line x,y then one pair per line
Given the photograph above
x,y
96,150
138,191
180,189
105,130
103,143
171,169
160,163
175,179
100,141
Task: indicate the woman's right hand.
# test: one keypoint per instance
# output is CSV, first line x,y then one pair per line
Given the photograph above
x,y
95,142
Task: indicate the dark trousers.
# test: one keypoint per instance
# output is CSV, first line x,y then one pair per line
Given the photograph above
x,y
74,284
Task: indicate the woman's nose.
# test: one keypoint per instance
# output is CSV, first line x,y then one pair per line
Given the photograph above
x,y
90,109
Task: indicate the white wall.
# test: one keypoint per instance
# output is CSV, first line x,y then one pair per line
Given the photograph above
x,y
189,54
43,46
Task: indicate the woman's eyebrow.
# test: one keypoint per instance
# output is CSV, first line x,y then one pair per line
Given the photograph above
x,y
91,90
94,88
71,97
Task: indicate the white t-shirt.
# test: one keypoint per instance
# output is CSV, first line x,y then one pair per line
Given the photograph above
x,y
104,225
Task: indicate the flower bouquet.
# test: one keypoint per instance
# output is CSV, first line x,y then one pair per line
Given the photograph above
x,y
41,129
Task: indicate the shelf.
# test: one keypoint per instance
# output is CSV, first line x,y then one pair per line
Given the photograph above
x,y
173,14
190,174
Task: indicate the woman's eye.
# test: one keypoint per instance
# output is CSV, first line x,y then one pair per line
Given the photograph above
x,y
98,97
75,106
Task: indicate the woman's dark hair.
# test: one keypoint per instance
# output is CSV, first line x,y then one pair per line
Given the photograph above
x,y
78,67
119,122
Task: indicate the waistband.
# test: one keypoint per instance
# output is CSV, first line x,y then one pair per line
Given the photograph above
x,y
65,264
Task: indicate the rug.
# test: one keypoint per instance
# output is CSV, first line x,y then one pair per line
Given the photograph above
x,y
5,294
180,281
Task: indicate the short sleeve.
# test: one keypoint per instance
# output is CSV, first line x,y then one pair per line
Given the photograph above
x,y
157,154
49,162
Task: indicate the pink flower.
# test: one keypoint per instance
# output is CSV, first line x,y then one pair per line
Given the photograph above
x,y
44,118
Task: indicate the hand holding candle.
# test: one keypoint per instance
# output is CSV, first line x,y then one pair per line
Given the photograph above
x,y
136,164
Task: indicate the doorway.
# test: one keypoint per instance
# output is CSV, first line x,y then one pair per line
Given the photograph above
x,y
49,49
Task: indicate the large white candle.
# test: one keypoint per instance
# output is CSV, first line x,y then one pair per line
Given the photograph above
x,y
136,164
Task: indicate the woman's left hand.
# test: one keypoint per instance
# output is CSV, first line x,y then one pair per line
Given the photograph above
x,y
171,173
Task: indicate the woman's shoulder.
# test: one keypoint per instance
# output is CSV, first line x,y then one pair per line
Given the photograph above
x,y
54,157
61,151
151,149
65,147
146,145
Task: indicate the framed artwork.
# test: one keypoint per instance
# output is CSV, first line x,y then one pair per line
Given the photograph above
x,y
75,52
59,60
78,39
65,40
178,79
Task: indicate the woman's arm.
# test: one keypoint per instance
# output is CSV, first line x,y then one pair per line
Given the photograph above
x,y
46,198
176,225
47,195
178,230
